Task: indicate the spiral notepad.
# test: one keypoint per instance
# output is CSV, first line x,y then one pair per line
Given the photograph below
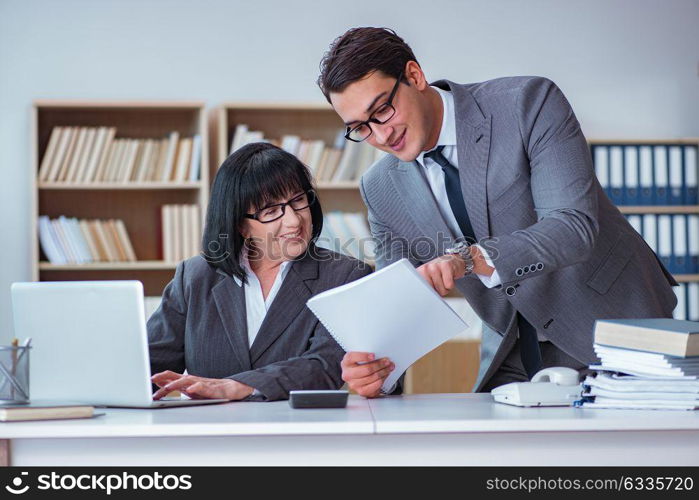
x,y
392,312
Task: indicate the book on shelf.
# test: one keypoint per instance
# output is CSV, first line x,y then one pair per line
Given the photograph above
x,y
648,174
181,231
87,155
348,233
45,411
67,240
170,154
341,161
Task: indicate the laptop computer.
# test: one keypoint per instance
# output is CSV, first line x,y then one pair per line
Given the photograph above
x,y
89,343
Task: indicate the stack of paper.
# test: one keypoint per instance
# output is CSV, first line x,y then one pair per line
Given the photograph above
x,y
618,390
645,364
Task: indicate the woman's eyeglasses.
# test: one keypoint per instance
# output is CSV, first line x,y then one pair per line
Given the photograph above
x,y
273,212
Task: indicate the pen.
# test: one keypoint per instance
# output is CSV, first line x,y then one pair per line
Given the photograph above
x,y
15,343
25,347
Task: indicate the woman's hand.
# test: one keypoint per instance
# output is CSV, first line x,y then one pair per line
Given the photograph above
x,y
163,378
199,387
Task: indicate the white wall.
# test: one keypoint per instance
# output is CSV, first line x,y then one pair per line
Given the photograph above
x,y
629,67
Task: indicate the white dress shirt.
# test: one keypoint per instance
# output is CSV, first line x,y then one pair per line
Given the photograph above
x,y
256,306
435,177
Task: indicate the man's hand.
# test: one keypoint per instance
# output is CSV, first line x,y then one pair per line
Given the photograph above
x,y
441,272
199,387
364,374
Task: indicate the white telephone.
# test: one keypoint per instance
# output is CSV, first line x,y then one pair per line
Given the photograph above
x,y
557,386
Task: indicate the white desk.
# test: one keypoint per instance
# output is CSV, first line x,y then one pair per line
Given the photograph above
x,y
454,429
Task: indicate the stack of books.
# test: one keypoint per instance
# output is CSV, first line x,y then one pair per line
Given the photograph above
x,y
181,232
343,161
72,241
645,364
93,154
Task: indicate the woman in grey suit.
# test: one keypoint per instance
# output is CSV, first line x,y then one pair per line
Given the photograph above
x,y
235,317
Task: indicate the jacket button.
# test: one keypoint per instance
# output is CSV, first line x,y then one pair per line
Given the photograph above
x,y
539,266
510,291
519,271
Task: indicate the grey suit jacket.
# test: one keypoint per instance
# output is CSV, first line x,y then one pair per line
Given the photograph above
x,y
564,252
201,326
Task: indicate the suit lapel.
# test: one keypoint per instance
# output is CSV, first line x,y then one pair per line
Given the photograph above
x,y
473,148
421,206
289,302
230,302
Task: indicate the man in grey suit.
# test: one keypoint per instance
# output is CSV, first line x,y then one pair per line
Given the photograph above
x,y
489,187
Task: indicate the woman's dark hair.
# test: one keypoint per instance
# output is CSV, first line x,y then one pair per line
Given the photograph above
x,y
253,176
359,52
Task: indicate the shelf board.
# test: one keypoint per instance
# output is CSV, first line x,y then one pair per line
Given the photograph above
x,y
117,104
119,185
644,142
281,106
659,209
143,265
686,278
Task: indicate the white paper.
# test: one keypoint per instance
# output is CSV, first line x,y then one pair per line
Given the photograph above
x,y
392,313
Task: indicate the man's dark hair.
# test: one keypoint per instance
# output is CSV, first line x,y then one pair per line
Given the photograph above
x,y
361,51
255,175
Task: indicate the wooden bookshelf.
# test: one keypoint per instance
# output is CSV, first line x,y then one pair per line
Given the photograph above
x,y
119,186
314,120
142,265
138,204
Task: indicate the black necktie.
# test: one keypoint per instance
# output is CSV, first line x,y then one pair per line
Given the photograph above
x,y
456,199
528,339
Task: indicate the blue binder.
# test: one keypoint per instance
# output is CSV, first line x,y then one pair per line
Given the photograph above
x,y
691,173
660,169
616,174
665,242
676,175
631,176
679,244
645,171
693,243
600,156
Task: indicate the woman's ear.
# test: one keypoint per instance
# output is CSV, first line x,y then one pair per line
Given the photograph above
x,y
244,229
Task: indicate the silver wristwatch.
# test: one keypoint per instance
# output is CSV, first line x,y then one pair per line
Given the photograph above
x,y
462,249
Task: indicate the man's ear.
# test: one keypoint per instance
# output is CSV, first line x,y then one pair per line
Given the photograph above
x,y
413,73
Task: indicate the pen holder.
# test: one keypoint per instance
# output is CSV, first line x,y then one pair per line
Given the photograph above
x,y
14,375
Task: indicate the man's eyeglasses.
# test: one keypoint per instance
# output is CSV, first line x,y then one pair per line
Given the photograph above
x,y
381,115
273,212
